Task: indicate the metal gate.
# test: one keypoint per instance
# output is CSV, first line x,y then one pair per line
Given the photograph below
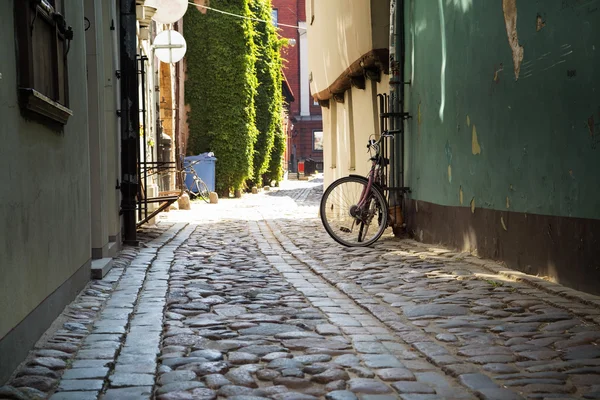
x,y
155,168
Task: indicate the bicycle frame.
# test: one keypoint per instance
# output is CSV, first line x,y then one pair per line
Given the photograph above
x,y
376,161
189,169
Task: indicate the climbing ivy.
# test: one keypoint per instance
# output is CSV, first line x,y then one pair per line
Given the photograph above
x,y
275,172
268,102
220,88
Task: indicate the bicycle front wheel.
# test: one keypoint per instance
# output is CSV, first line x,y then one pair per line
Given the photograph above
x,y
199,189
348,222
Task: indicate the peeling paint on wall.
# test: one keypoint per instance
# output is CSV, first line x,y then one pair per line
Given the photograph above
x,y
509,7
539,23
503,224
461,196
468,121
473,205
498,70
448,151
475,148
450,173
507,202
593,126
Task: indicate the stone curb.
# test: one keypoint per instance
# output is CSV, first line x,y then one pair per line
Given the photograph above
x,y
73,328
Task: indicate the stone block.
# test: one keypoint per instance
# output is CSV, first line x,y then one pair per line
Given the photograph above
x,y
184,202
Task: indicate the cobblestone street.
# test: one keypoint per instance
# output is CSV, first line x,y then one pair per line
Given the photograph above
x,y
251,299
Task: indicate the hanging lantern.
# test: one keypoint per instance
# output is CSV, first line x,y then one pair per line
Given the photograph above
x,y
168,11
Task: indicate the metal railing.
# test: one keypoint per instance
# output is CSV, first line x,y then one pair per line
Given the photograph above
x,y
151,173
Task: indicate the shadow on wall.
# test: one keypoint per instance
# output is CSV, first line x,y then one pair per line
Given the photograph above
x,y
560,248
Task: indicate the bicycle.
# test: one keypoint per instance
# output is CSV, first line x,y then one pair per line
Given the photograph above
x,y
351,204
198,187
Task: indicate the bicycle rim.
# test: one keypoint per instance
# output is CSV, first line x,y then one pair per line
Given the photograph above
x,y
203,191
194,190
336,204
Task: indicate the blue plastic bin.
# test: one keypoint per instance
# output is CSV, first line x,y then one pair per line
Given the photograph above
x,y
205,168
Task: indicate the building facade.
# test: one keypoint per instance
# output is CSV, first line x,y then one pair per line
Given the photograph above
x,y
305,122
501,150
63,165
348,63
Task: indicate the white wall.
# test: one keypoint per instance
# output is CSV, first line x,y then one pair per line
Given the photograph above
x,y
346,129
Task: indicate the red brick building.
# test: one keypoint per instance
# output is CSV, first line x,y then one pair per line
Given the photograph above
x,y
305,127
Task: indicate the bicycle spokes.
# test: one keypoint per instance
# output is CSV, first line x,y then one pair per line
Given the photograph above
x,y
348,204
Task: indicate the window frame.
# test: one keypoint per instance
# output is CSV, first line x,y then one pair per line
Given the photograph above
x,y
315,141
42,39
275,17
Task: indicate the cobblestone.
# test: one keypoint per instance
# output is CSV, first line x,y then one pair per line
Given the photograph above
x,y
250,299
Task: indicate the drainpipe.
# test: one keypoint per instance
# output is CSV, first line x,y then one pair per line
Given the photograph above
x,y
396,108
129,120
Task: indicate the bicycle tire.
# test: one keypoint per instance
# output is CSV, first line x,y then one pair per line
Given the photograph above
x,y
335,207
196,189
203,191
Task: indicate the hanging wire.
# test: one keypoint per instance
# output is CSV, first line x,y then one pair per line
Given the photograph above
x,y
242,16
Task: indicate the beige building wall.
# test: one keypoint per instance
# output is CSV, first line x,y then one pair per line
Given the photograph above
x,y
112,95
341,33
344,39
347,128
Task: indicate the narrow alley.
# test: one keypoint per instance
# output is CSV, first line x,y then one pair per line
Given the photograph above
x,y
250,299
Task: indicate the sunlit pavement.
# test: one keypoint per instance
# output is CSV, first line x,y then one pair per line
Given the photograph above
x,y
250,299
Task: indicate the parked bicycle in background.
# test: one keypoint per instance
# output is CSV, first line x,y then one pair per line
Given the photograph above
x,y
196,188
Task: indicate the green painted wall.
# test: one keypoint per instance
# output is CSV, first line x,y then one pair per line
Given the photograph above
x,y
45,192
538,136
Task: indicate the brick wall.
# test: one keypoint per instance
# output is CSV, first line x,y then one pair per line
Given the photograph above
x,y
304,140
290,12
287,14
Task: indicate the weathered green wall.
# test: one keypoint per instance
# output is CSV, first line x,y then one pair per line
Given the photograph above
x,y
537,137
45,192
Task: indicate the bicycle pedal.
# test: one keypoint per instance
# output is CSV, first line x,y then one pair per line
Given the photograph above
x,y
344,229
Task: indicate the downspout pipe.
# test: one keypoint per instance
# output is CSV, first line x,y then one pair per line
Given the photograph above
x,y
396,108
129,120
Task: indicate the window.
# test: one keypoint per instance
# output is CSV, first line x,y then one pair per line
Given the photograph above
x,y
43,39
318,140
274,16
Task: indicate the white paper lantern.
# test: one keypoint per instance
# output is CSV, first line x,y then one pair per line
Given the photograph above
x,y
169,46
168,11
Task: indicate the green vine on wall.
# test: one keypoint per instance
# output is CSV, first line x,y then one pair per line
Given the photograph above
x,y
275,170
220,88
268,102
